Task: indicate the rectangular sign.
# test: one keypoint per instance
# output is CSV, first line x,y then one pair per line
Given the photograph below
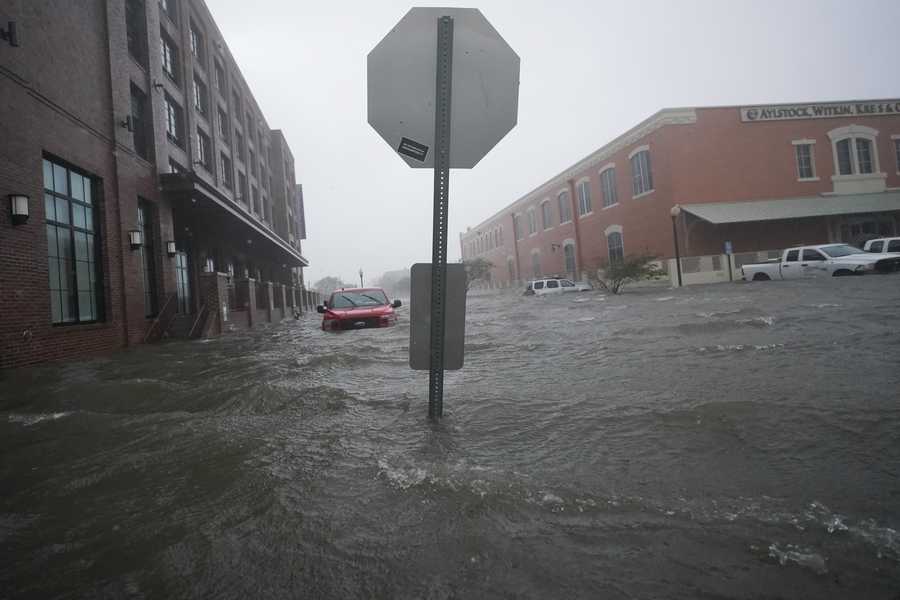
x,y
413,149
786,112
420,317
728,248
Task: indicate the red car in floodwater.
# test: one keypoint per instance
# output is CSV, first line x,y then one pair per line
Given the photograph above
x,y
358,308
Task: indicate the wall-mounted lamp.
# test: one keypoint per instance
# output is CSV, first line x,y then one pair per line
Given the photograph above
x,y
555,247
9,34
18,206
157,84
170,248
128,123
135,238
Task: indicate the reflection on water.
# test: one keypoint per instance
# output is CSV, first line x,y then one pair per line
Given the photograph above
x,y
733,441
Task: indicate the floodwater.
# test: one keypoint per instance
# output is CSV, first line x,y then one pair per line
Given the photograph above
x,y
729,441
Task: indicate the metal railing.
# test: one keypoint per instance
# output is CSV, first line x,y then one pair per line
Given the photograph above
x,y
163,319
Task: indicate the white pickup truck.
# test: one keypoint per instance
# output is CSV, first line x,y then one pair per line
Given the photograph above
x,y
834,260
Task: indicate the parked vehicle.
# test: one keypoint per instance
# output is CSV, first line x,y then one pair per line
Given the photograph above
x,y
555,285
823,260
880,245
358,308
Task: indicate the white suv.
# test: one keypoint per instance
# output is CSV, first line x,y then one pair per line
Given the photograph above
x,y
555,285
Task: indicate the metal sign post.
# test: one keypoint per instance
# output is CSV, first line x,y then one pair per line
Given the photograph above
x,y
441,203
411,107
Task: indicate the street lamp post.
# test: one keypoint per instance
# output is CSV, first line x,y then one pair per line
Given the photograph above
x,y
676,210
360,278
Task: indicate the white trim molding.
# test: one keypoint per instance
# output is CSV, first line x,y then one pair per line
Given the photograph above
x,y
804,142
606,167
582,180
612,229
567,242
852,131
535,251
638,149
641,195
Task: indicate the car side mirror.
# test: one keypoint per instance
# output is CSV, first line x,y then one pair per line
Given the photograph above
x,y
320,309
396,304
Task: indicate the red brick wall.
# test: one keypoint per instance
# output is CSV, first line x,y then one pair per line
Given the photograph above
x,y
717,159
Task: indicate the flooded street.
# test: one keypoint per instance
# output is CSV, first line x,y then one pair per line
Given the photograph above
x,y
729,441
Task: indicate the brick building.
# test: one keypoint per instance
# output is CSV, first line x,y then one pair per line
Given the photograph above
x,y
760,177
159,200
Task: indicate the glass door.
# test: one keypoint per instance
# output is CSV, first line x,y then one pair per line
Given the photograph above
x,y
182,283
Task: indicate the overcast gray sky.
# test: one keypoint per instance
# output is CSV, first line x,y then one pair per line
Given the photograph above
x,y
590,71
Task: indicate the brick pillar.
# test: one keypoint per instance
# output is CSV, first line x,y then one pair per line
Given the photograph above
x,y
270,298
283,292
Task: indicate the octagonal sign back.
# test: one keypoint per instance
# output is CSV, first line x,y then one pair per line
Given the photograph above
x,y
401,87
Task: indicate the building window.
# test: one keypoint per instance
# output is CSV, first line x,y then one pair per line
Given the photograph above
x,y
532,222
174,122
73,245
854,150
255,199
536,264
198,49
235,103
139,122
169,57
252,161
517,226
170,9
584,198
897,152
608,187
174,167
805,163
220,78
148,256
565,207
500,235
223,127
547,214
239,144
226,169
201,96
204,150
136,30
615,247
641,178
242,184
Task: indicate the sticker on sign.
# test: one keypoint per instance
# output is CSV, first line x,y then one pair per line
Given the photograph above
x,y
401,87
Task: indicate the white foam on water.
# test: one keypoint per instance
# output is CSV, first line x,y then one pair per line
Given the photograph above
x,y
33,419
801,556
664,298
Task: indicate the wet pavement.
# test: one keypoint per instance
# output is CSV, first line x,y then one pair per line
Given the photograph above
x,y
727,441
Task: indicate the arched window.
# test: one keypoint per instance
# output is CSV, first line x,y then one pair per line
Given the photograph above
x,y
855,150
584,197
641,176
546,214
608,186
614,244
565,207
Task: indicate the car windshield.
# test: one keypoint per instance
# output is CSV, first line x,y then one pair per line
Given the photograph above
x,y
841,250
358,299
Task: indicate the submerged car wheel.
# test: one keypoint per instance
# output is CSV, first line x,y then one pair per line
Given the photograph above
x,y
761,277
843,273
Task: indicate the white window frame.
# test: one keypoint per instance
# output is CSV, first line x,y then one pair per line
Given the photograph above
x,y
646,178
812,158
518,234
584,199
546,222
532,221
852,133
568,206
615,191
609,231
539,272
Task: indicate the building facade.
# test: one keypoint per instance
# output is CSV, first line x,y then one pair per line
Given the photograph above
x,y
759,178
153,183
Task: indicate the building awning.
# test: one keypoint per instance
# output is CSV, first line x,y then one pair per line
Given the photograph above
x,y
793,208
188,184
